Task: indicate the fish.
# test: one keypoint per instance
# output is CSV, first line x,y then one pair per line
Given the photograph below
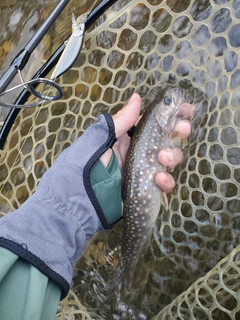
x,y
142,197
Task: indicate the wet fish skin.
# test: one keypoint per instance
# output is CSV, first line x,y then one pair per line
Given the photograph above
x,y
141,196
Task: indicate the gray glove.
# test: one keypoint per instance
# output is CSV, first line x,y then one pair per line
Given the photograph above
x,y
50,229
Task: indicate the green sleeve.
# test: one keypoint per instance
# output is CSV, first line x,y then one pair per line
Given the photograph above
x,y
25,293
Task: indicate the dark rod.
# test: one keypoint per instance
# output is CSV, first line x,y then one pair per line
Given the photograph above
x,y
46,68
21,59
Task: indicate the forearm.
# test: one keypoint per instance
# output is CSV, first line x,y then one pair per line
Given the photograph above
x,y
51,227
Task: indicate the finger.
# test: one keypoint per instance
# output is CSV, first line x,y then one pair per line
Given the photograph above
x,y
170,157
127,117
120,149
183,128
105,158
123,121
165,181
187,110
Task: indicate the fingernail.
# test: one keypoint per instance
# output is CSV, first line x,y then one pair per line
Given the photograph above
x,y
169,154
132,99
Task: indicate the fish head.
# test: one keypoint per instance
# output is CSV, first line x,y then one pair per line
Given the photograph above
x,y
169,107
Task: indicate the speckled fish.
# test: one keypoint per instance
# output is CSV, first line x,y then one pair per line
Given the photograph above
x,y
141,196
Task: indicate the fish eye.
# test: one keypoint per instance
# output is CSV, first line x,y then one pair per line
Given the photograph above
x,y
167,100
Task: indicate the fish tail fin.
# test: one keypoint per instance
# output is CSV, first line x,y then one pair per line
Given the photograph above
x,y
116,281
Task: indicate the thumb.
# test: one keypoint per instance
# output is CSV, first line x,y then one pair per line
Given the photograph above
x,y
127,117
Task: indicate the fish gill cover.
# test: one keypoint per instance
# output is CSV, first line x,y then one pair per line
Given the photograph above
x,y
194,253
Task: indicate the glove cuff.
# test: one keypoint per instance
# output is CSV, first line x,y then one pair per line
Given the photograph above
x,y
87,170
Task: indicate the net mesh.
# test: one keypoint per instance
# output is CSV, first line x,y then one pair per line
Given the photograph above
x,y
131,48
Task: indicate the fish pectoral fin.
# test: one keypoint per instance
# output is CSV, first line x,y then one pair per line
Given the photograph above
x,y
112,258
184,142
164,200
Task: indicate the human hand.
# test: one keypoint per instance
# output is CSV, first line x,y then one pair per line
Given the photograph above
x,y
126,118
